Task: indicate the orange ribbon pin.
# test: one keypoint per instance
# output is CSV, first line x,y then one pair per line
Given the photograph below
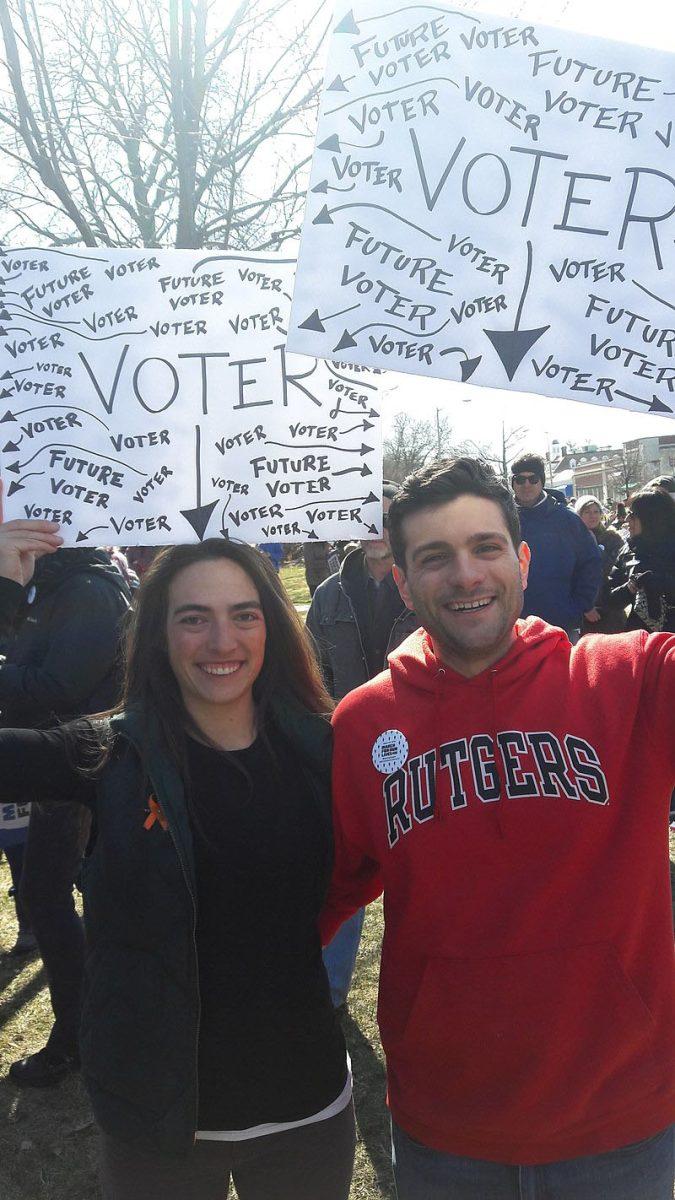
x,y
155,814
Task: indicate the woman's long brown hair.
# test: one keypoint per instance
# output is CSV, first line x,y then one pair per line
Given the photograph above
x,y
289,667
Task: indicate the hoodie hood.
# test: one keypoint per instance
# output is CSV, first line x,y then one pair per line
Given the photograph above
x,y
415,663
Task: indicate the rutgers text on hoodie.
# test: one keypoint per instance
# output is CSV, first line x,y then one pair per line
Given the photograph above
x,y
517,822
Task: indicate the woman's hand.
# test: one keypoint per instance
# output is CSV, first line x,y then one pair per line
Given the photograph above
x,y
592,615
22,542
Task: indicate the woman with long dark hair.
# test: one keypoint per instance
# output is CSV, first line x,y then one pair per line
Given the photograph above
x,y
209,1044
643,576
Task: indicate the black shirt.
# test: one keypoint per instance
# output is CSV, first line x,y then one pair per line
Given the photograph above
x,y
270,1047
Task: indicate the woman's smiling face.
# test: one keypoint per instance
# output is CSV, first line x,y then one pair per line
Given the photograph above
x,y
215,634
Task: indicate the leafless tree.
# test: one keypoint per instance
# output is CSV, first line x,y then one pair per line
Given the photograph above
x,y
499,457
158,122
627,472
413,443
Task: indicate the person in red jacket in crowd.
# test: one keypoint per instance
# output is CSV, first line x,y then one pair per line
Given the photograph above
x,y
509,795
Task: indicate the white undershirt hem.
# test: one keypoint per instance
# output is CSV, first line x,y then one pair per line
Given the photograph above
x,y
255,1131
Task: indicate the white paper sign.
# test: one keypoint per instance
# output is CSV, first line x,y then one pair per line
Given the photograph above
x,y
493,200
146,398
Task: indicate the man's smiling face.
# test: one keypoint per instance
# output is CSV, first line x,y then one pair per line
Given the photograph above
x,y
464,579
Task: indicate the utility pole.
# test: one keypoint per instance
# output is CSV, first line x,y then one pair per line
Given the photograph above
x,y
438,433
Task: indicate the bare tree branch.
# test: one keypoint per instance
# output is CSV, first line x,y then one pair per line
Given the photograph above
x,y
158,121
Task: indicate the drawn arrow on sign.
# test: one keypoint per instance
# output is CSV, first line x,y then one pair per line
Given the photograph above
x,y
347,24
654,405
17,466
325,186
364,470
5,316
11,374
311,533
347,339
513,344
18,486
199,516
351,412
362,449
225,532
11,446
84,535
335,144
6,393
364,425
315,322
468,365
371,498
325,216
339,84
20,412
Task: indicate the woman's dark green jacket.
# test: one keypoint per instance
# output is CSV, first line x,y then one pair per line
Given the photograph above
x,y
140,1020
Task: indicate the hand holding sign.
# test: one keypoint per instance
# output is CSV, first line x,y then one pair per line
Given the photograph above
x,y
22,542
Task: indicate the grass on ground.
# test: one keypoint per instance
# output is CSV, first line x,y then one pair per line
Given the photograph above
x,y
48,1145
293,579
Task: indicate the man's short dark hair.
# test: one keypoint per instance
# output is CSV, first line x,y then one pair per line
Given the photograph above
x,y
533,463
443,481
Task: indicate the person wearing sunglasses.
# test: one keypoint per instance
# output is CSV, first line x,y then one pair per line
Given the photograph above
x,y
566,568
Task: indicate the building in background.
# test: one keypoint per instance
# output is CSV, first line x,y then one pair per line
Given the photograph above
x,y
610,472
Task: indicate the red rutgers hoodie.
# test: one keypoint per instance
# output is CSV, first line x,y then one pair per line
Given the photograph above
x,y
517,824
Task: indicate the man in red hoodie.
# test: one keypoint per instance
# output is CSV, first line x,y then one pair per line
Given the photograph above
x,y
509,795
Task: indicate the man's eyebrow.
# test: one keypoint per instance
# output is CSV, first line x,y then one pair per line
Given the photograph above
x,y
483,536
488,536
438,545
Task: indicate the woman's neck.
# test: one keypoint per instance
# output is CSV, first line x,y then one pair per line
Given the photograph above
x,y
228,728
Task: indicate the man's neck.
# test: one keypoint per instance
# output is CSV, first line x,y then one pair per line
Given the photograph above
x,y
535,503
470,667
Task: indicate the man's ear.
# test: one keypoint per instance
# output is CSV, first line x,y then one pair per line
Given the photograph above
x,y
524,557
400,581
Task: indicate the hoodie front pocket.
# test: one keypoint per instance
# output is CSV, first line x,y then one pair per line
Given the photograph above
x,y
538,1041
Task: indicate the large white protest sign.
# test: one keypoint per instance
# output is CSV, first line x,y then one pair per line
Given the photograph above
x,y
493,200
146,398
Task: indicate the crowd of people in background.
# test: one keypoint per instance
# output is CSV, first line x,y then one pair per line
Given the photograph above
x,y
205,622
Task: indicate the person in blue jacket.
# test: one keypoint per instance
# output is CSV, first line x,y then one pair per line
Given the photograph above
x,y
566,567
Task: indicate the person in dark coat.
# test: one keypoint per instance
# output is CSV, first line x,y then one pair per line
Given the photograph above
x,y
565,571
643,576
356,618
63,618
601,618
315,556
209,1044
